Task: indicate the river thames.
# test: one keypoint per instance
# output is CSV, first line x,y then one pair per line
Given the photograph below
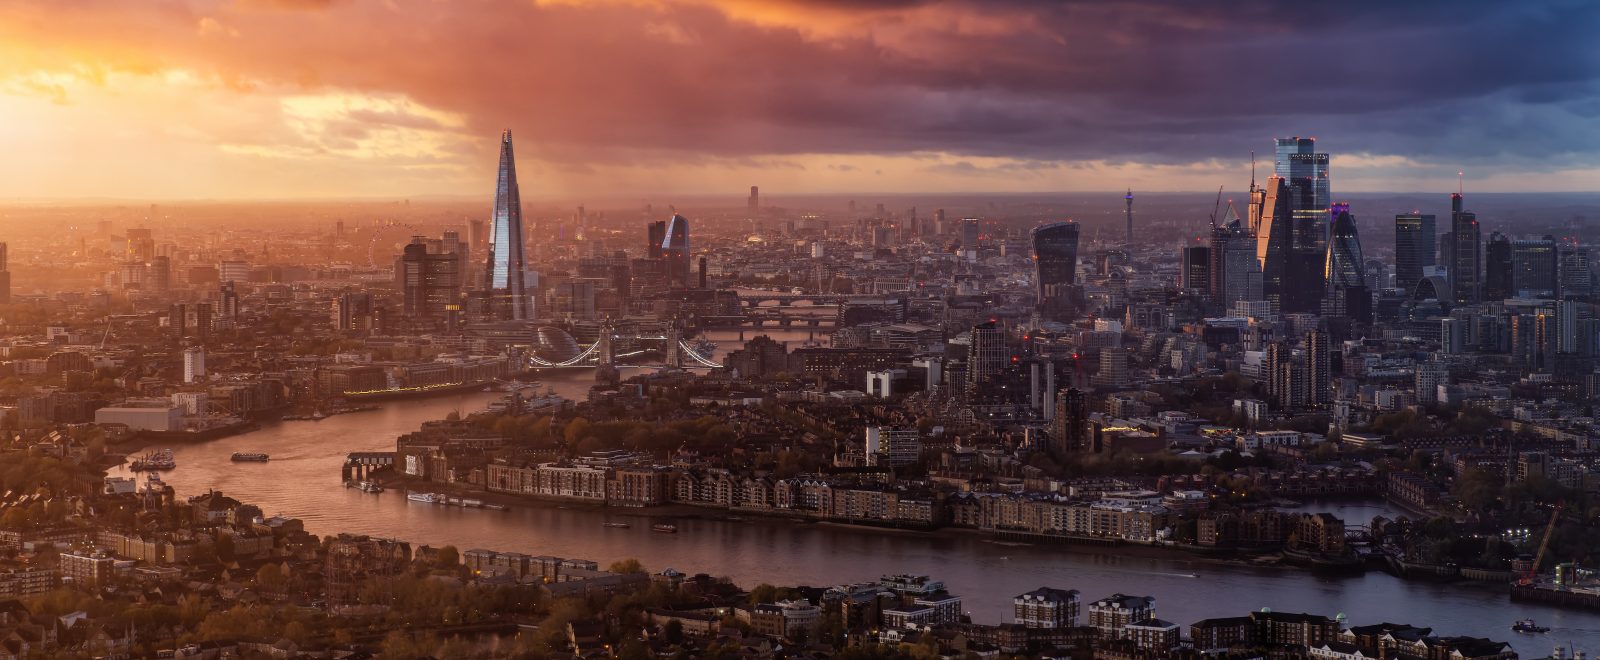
x,y
302,480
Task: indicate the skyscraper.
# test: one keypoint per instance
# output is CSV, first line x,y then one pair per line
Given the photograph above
x,y
1194,273
504,278
1574,280
970,234
986,355
1347,293
430,280
1235,273
655,235
754,203
1534,267
675,250
1055,262
1415,243
1497,284
1305,173
1273,219
1466,257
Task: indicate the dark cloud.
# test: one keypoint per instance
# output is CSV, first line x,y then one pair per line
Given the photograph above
x,y
1167,81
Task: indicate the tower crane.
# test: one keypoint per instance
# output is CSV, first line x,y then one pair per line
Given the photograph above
x,y
1544,544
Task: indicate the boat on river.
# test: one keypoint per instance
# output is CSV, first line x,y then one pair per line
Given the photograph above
x,y
161,460
249,457
619,525
426,498
664,528
1529,626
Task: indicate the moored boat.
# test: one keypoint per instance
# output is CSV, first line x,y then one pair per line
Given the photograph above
x,y
427,498
160,460
250,457
665,528
620,525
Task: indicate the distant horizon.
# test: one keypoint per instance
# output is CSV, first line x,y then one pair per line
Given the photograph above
x,y
737,198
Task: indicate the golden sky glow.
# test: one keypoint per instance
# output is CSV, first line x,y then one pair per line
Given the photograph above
x,y
354,98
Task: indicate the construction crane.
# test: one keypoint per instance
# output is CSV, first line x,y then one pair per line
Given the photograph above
x,y
1544,544
1216,207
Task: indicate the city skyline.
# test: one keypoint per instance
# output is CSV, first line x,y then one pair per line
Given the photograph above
x,y
275,99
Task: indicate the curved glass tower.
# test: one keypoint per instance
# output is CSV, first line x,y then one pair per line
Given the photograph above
x,y
504,277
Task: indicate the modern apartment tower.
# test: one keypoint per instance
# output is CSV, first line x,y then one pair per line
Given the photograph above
x,y
504,278
1055,263
1415,244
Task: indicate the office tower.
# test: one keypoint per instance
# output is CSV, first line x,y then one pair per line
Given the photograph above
x,y
1347,293
159,275
938,223
1129,215
656,234
1274,222
1194,272
1534,267
234,270
1573,277
1466,258
430,280
1305,173
1235,273
1497,281
986,355
504,275
1415,243
970,234
754,203
675,250
477,238
194,364
1055,263
5,276
351,311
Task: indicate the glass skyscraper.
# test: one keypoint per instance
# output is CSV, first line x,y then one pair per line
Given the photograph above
x,y
1347,293
505,276
1415,243
1055,267
1305,173
1466,254
675,250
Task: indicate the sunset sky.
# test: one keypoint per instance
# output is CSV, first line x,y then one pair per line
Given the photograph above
x,y
168,99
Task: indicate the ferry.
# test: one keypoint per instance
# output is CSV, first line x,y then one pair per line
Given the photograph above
x,y
161,460
427,498
1529,626
250,457
664,528
618,525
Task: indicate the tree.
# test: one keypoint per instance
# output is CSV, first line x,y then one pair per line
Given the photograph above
x,y
673,632
448,557
629,565
576,430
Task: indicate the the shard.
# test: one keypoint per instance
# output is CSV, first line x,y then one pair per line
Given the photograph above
x,y
504,277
